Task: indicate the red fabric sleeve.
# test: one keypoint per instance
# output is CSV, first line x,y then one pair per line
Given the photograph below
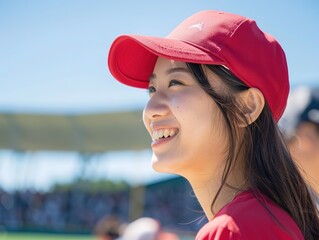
x,y
222,228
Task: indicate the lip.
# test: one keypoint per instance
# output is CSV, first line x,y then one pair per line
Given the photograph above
x,y
162,141
156,126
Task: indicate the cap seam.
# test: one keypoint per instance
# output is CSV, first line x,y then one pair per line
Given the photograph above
x,y
231,33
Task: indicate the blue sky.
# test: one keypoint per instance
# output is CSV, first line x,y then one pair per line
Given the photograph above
x,y
53,53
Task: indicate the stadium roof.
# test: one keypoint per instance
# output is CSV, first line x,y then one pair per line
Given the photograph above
x,y
82,133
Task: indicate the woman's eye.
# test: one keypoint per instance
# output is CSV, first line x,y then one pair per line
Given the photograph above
x,y
174,82
151,89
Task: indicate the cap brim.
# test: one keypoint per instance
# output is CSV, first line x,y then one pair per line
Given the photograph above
x,y
132,58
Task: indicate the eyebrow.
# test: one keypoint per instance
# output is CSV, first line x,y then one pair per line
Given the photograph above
x,y
170,71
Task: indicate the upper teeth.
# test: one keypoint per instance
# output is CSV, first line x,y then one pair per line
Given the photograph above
x,y
160,133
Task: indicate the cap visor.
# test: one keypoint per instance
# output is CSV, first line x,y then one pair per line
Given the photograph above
x,y
132,57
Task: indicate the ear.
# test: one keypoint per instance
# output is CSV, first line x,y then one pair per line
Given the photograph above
x,y
254,102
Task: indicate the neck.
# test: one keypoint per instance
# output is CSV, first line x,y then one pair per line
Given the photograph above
x,y
206,189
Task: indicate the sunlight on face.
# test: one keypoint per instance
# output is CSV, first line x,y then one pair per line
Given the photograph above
x,y
186,125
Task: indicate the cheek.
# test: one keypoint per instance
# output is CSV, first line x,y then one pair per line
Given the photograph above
x,y
146,121
144,118
200,118
177,109
177,103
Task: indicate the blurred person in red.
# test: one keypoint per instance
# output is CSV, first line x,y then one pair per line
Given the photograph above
x,y
300,125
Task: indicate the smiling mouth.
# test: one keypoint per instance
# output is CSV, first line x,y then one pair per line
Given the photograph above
x,y
164,133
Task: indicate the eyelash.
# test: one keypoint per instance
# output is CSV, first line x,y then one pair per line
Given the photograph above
x,y
176,82
151,89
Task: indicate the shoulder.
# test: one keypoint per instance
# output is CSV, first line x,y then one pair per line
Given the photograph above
x,y
250,217
222,227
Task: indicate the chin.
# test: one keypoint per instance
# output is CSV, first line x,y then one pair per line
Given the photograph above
x,y
160,167
164,165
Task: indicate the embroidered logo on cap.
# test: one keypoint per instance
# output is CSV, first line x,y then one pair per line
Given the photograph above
x,y
199,26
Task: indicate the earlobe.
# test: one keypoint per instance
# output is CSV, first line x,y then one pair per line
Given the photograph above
x,y
254,102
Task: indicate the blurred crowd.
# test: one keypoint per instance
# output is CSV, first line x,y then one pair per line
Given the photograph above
x,y
58,211
80,211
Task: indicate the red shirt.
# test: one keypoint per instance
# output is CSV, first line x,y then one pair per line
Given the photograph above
x,y
245,218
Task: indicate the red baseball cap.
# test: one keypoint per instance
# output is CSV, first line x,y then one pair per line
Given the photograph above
x,y
209,37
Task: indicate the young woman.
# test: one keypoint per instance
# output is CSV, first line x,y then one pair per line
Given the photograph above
x,y
218,85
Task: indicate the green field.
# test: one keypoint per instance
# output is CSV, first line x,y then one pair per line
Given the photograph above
x,y
38,236
35,236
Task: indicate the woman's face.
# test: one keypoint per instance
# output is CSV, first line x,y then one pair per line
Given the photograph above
x,y
185,124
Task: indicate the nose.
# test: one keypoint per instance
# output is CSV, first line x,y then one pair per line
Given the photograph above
x,y
156,108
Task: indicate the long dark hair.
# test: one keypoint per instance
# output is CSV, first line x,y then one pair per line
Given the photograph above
x,y
268,166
